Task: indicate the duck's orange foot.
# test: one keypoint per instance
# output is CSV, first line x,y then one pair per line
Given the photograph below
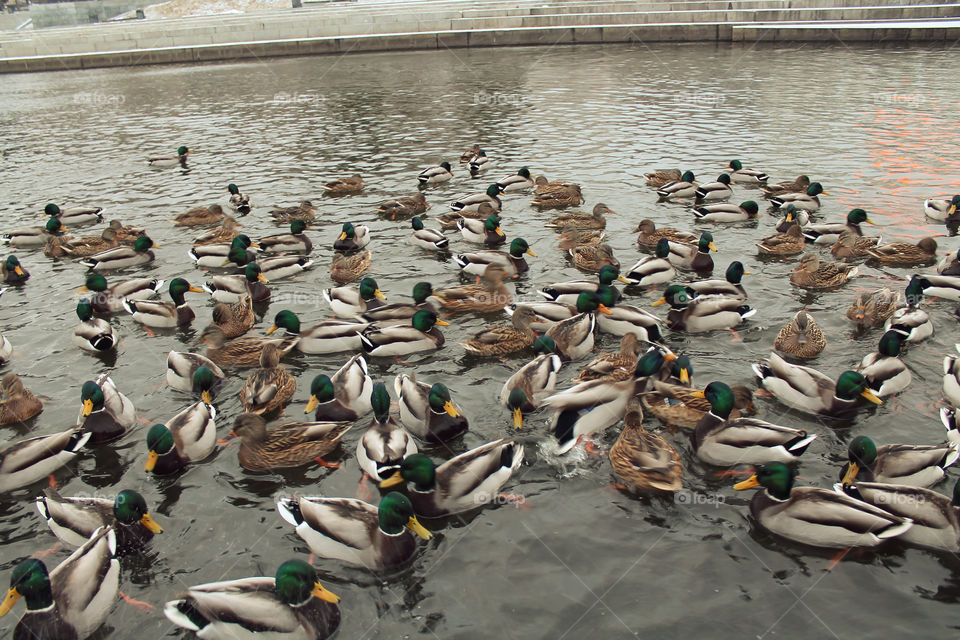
x,y
733,472
325,464
403,362
38,555
142,420
736,336
363,491
762,393
52,481
837,558
137,604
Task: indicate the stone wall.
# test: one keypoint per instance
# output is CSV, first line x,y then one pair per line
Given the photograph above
x,y
57,14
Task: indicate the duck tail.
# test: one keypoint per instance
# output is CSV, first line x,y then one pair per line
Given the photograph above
x,y
895,530
761,370
289,510
798,445
746,311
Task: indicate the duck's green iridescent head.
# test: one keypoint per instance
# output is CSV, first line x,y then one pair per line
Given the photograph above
x,y
424,320
687,176
861,453
159,443
380,401
608,273
890,344
662,250
676,296
775,477
182,151
396,513
517,400
321,391
915,288
720,397
492,224
651,362
735,272
84,309
524,173
178,287
298,226
203,381
493,190
858,216
233,189
369,290
253,273
53,225
242,241
589,301
544,344
129,508
416,468
237,255
91,396
816,189
607,295
287,320
13,264
422,291
30,581
706,243
736,165
750,207
416,223
347,231
95,282
142,243
51,210
440,402
851,384
296,583
519,246
682,369
724,178
446,165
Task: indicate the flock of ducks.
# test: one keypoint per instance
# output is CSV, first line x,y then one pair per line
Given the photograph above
x,y
883,490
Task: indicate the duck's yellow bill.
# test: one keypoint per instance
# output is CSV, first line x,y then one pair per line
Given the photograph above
x,y
713,247
517,418
869,221
414,525
254,245
746,273
749,483
12,596
343,234
272,329
697,394
150,524
603,309
206,397
450,409
684,376
660,302
824,193
152,458
952,208
379,295
311,404
442,323
17,270
155,246
262,278
319,591
852,470
499,232
196,289
87,407
623,280
83,289
530,253
871,396
392,481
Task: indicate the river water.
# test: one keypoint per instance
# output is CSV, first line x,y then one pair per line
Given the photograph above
x,y
877,126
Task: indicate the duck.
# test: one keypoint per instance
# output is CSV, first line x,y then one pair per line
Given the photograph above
x,y
814,275
165,314
872,308
426,238
385,443
731,286
727,212
904,254
238,202
330,336
949,265
343,186
171,161
807,200
829,232
593,257
567,292
660,177
571,237
468,155
523,390
480,162
6,348
504,339
278,267
234,288
644,462
685,187
725,442
270,387
911,321
121,257
18,404
904,464
106,413
377,538
354,301
304,211
810,391
435,175
512,261
352,238
850,246
12,271
718,190
235,318
626,319
345,396
398,312
519,181
705,313
398,340
95,335
486,232
799,184
802,337
110,299
594,220
296,241
348,267
75,215
89,245
940,208
292,604
467,481
222,254
947,287
650,235
746,176
546,314
543,185
615,366
35,236
74,520
125,234
192,372
816,517
574,336
696,258
74,599
885,372
792,216
243,351
403,206
427,411
489,295
680,371
212,214
292,444
682,405
26,461
788,243
951,379
471,203
567,196
188,437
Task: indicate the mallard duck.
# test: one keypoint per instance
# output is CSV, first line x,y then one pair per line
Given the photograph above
x,y
270,387
292,444
467,481
850,246
277,267
35,236
872,308
817,276
385,443
936,518
947,287
73,600
904,254
567,292
193,372
660,177
12,271
398,312
593,257
468,155
829,232
304,211
398,340
705,313
504,339
426,238
403,207
106,413
222,254
697,257
615,366
352,238
568,196
18,404
683,406
792,216
200,216
486,232
644,461
746,176
235,318
807,200
717,190
788,243
949,265
348,267
679,372
427,411
111,299
75,215
626,319
435,175
226,232
816,517
907,464
354,301
122,257
239,202
480,162
296,240
519,181
594,220
571,237
330,336
343,186
546,314
544,186
249,284
791,186
802,337
243,351
650,235
731,286
512,261
471,203
810,391
171,161
912,321
574,336
90,245
941,208
685,187
74,520
725,442
93,334
353,531
489,295
345,396
948,416
951,378
293,604
448,221
27,461
165,314
522,391
885,372
727,212
190,436
126,235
